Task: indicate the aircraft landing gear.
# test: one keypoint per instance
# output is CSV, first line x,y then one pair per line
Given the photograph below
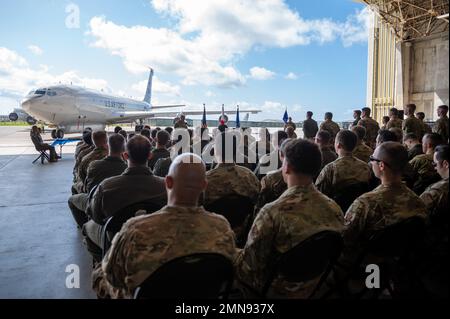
x,y
57,134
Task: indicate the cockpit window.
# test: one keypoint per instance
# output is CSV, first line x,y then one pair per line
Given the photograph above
x,y
51,93
40,92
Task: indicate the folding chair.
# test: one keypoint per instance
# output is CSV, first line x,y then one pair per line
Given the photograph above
x,y
313,257
42,156
237,210
115,223
196,276
347,195
393,248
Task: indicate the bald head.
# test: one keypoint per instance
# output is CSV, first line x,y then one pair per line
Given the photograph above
x,y
186,180
394,155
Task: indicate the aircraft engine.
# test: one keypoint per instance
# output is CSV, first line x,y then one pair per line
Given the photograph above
x,y
31,120
13,117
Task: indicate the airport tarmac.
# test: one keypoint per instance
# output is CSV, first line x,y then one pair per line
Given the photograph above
x,y
38,237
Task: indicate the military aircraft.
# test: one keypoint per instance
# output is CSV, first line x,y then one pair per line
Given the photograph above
x,y
69,109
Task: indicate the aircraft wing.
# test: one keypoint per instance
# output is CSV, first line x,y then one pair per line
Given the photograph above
x,y
154,107
127,116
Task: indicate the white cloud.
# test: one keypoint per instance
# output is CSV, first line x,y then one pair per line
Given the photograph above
x,y
210,94
35,49
291,76
158,86
209,36
261,74
17,77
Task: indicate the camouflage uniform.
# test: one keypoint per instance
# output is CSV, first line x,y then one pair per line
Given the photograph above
x,y
79,158
310,128
228,179
328,155
356,121
374,211
147,242
290,123
343,172
362,152
299,213
441,128
394,123
413,125
426,129
96,154
372,129
162,166
414,151
80,147
435,198
331,127
272,187
424,171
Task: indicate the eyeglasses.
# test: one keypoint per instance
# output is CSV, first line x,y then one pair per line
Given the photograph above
x,y
373,159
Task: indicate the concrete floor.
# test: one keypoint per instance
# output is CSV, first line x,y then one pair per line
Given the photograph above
x,y
38,237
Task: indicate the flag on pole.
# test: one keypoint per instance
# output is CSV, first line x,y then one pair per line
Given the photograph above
x,y
238,122
204,124
285,116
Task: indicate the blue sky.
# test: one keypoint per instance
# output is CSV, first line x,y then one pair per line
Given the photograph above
x,y
222,52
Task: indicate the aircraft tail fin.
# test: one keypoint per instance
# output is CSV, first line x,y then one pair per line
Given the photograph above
x,y
148,93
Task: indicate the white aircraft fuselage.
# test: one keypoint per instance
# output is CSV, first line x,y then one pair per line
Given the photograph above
x,y
73,108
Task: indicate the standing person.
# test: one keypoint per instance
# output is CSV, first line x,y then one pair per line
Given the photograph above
x,y
371,126
412,124
310,127
425,127
181,122
38,142
394,121
441,125
330,126
384,122
290,123
356,117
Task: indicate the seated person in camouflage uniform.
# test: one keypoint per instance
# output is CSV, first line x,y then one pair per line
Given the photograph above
x,y
100,139
135,185
361,151
389,203
398,134
160,151
344,172
323,140
412,143
83,151
271,162
273,184
394,121
435,197
181,228
422,165
299,213
98,171
228,178
330,126
84,143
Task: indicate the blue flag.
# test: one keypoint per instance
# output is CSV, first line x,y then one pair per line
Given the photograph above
x,y
204,125
285,116
238,122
